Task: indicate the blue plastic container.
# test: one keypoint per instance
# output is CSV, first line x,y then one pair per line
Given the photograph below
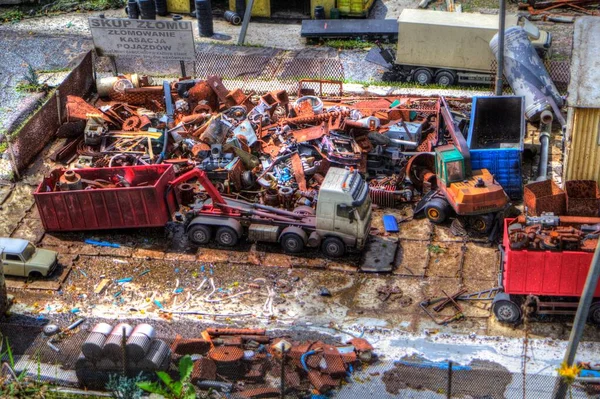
x,y
505,165
496,134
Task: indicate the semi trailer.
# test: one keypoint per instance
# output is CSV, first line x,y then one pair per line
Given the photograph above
x,y
449,48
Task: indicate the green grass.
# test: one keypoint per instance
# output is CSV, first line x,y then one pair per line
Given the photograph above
x,y
11,15
413,85
349,44
56,70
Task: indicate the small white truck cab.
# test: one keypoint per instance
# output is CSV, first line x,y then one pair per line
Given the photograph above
x,y
343,209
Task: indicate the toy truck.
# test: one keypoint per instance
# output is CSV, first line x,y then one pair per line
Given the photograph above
x,y
151,196
448,48
474,196
548,279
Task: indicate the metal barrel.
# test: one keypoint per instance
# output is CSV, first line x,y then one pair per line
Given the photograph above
x,y
232,17
526,73
133,10
92,347
240,7
319,12
112,348
204,17
139,342
157,358
147,9
161,7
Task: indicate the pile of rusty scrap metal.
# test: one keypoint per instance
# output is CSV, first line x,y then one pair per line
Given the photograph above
x,y
535,7
248,363
557,233
271,148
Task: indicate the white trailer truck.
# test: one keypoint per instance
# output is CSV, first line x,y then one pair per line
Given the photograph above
x,y
448,47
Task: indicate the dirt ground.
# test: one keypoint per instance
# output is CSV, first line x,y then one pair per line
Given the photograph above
x,y
168,274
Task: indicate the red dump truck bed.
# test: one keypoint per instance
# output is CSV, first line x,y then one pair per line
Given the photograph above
x,y
144,204
549,273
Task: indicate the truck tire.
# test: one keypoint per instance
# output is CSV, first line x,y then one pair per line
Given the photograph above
x,y
292,243
506,311
333,247
423,76
445,78
594,315
226,236
35,275
200,234
481,224
436,210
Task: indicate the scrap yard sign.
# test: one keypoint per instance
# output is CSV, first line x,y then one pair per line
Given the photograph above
x,y
159,40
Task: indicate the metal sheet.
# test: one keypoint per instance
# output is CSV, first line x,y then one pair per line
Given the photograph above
x,y
350,28
585,73
156,40
583,145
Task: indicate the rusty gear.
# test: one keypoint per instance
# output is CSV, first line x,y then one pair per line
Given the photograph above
x,y
131,123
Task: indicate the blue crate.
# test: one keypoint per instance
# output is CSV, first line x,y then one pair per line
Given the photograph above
x,y
505,165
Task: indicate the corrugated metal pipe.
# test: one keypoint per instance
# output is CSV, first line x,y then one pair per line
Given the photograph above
x,y
546,119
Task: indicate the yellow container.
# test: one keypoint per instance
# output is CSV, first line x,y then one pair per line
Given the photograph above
x,y
344,6
179,6
261,8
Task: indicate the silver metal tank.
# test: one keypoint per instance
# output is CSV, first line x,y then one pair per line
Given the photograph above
x,y
112,348
139,342
526,73
92,347
157,358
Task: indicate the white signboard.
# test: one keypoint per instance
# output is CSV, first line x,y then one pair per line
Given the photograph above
x,y
159,40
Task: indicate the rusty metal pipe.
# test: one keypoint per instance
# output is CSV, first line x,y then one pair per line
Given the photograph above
x,y
236,331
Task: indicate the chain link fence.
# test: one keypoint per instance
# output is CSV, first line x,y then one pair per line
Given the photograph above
x,y
248,365
267,69
559,71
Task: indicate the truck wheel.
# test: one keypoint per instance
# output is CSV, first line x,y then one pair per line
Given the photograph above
x,y
507,311
226,236
594,315
445,78
423,76
292,243
436,210
200,234
481,223
35,275
333,247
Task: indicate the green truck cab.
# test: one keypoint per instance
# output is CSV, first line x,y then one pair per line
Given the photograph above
x,y
22,258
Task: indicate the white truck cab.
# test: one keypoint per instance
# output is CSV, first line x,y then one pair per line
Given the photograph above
x,y
343,209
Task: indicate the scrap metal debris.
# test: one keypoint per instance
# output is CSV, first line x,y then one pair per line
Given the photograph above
x,y
270,149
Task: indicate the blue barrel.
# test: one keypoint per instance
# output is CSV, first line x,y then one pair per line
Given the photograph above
x,y
240,7
147,9
204,17
132,9
161,7
319,12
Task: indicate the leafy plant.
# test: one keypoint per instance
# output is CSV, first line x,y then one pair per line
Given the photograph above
x,y
17,386
123,387
31,82
436,249
11,16
172,389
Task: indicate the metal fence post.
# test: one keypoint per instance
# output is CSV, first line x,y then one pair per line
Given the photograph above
x,y
449,387
123,352
283,355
